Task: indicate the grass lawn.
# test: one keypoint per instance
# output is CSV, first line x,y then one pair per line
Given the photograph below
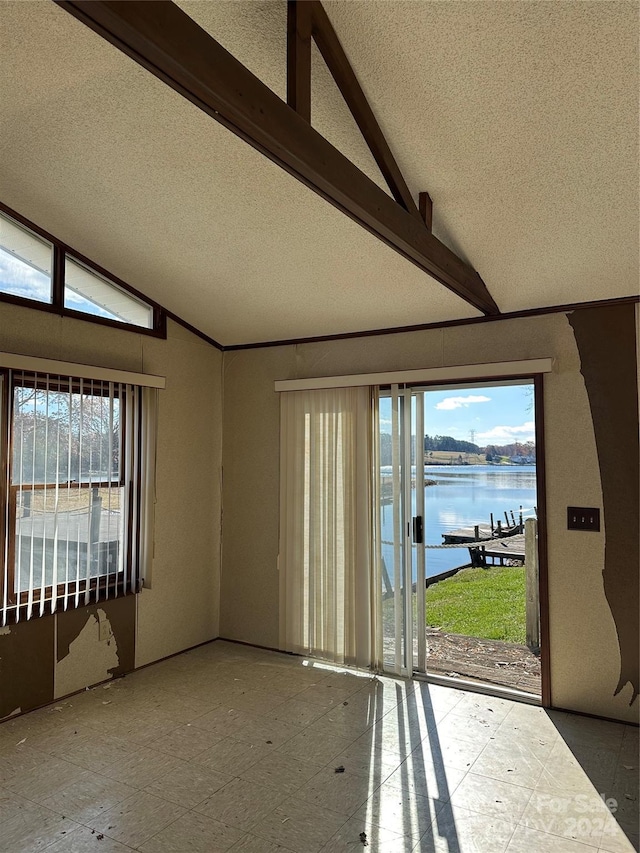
x,y
448,457
487,603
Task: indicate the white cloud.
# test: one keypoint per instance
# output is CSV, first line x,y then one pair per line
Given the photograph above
x,y
508,434
17,278
459,402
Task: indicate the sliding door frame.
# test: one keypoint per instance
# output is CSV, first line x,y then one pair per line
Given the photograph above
x,y
543,558
405,394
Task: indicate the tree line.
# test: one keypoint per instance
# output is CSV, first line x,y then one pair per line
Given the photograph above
x,y
62,437
448,444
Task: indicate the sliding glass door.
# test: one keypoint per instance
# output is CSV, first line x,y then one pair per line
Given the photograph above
x,y
401,525
456,596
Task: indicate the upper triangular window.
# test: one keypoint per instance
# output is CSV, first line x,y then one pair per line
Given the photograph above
x,y
26,262
36,267
87,291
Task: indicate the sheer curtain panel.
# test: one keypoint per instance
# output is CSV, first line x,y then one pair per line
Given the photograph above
x,y
327,588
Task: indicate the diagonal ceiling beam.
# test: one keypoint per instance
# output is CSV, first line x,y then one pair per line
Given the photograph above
x,y
167,42
338,64
425,206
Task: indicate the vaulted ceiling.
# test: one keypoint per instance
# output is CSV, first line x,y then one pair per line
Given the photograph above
x,y
519,119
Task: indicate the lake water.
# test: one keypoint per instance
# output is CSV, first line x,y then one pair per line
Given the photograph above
x,y
465,495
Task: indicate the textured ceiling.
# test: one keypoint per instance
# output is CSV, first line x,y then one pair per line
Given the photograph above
x,y
520,119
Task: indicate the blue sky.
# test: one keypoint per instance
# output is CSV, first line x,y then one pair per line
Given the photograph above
x,y
498,414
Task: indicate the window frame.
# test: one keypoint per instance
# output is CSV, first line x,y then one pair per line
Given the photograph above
x,y
61,251
68,593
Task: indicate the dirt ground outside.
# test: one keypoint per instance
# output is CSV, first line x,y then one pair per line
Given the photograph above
x,y
488,661
474,659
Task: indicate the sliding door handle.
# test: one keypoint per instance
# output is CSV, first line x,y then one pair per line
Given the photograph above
x,y
417,529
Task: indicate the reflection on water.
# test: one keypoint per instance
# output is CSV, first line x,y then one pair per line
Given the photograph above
x,y
448,519
464,496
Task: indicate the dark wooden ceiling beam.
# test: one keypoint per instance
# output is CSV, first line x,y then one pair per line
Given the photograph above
x,y
299,58
425,205
167,42
345,78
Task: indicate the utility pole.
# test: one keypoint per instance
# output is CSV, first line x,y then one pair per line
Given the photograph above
x,y
472,436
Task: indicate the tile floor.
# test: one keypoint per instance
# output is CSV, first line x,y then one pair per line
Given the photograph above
x,y
229,748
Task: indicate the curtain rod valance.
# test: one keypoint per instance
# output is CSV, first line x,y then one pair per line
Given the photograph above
x,y
456,373
14,361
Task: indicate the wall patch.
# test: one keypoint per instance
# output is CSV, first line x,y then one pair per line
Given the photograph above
x,y
606,340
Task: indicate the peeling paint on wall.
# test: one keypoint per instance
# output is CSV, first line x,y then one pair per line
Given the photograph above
x,y
606,340
82,657
89,659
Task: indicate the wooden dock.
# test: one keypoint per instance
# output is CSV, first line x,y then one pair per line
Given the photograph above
x,y
478,533
509,548
467,534
514,525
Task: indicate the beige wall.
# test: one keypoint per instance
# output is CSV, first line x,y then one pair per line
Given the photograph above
x,y
181,609
583,641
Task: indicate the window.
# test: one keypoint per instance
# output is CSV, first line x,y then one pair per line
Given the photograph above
x,y
26,262
75,507
86,291
37,269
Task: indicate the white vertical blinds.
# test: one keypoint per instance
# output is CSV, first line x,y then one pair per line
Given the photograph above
x,y
78,461
147,481
327,587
